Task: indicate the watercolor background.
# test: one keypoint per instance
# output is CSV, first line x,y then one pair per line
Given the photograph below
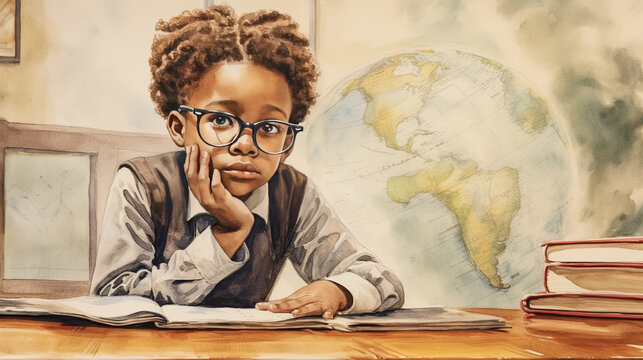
x,y
85,64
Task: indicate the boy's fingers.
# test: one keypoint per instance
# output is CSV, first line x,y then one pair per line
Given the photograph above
x,y
310,309
217,188
265,305
186,164
191,162
204,178
329,314
289,304
262,305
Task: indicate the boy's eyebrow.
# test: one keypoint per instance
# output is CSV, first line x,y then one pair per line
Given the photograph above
x,y
234,105
275,108
227,103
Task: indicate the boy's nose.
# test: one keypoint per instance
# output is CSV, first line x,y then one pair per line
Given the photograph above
x,y
244,144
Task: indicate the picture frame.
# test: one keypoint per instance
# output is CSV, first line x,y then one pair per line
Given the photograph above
x,y
10,31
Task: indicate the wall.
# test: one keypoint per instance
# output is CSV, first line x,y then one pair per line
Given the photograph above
x,y
85,64
579,54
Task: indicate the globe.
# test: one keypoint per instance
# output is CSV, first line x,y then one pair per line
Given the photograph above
x,y
451,168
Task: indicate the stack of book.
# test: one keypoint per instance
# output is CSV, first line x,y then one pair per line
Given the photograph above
x,y
594,278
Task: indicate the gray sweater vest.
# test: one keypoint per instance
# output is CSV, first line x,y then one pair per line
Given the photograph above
x,y
167,192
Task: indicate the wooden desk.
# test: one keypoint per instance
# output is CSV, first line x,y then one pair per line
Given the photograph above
x,y
529,337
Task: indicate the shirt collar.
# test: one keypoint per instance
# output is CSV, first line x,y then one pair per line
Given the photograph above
x,y
257,203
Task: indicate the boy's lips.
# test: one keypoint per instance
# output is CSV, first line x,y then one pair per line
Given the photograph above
x,y
243,171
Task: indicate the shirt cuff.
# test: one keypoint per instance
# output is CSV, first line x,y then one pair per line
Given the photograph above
x,y
366,298
210,259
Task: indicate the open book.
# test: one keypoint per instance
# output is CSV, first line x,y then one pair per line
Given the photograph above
x,y
129,310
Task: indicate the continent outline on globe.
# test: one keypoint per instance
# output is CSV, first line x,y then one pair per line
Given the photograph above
x,y
485,198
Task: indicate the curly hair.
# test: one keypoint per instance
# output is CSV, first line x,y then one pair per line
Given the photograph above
x,y
192,42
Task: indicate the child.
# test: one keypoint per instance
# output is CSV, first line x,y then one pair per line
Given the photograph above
x,y
212,225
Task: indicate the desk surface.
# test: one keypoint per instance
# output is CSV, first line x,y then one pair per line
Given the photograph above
x,y
528,337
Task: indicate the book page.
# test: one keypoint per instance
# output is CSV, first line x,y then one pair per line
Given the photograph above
x,y
202,314
593,304
111,310
601,252
436,318
180,316
113,307
430,318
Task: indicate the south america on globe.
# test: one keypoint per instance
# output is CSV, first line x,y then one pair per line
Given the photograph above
x,y
449,165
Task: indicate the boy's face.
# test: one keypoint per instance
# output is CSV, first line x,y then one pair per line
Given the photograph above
x,y
253,93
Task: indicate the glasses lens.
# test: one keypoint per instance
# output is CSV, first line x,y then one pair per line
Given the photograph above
x,y
273,136
218,128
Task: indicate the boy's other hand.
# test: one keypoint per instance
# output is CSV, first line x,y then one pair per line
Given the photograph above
x,y
321,297
234,219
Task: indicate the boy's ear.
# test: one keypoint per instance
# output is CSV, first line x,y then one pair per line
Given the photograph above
x,y
175,124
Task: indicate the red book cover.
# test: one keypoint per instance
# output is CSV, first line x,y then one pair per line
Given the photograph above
x,y
611,250
585,305
627,239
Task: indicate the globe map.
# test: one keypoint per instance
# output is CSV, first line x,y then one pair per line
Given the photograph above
x,y
451,168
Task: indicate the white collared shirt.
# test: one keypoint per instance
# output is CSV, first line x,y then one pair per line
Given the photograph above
x,y
322,249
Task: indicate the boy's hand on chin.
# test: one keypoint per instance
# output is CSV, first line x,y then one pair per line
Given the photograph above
x,y
234,219
322,297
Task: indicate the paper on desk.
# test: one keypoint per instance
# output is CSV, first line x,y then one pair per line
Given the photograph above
x,y
111,310
198,314
428,318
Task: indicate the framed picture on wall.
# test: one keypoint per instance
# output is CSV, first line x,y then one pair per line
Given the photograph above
x,y
9,30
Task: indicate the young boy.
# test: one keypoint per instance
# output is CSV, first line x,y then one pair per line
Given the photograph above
x,y
212,225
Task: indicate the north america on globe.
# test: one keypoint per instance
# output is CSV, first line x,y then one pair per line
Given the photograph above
x,y
464,147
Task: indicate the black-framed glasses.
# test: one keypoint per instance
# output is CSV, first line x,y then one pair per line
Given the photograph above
x,y
219,129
